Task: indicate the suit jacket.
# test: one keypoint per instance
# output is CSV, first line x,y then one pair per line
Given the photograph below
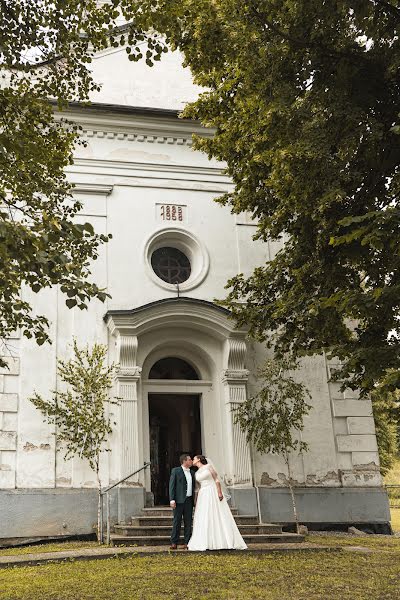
x,y
178,485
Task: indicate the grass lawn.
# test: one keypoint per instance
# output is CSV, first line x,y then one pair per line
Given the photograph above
x,y
392,477
311,576
395,514
50,547
299,576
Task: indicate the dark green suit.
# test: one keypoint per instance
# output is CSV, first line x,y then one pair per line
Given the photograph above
x,y
184,504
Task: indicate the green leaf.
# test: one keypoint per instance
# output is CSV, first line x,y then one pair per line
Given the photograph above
x,y
71,302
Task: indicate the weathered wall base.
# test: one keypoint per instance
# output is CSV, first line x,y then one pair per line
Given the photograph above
x,y
63,512
244,499
60,512
328,506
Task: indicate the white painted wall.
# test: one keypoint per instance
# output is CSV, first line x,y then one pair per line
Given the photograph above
x,y
131,164
165,85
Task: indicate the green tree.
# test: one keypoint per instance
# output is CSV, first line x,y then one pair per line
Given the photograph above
x,y
79,413
387,425
46,48
273,419
304,97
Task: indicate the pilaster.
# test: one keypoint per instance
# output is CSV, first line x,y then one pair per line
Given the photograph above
x,y
234,380
127,379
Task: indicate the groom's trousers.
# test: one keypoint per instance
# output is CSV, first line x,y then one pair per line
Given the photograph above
x,y
184,510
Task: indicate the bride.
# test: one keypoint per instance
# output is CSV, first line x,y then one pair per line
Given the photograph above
x,y
214,527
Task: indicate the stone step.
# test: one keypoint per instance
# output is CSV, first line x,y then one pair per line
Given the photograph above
x,y
160,511
134,531
166,521
164,540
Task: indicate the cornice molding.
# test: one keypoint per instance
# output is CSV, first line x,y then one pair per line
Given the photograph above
x,y
93,189
174,312
131,174
136,137
149,128
179,170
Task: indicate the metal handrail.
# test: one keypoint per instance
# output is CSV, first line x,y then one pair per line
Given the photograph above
x,y
105,493
110,487
393,491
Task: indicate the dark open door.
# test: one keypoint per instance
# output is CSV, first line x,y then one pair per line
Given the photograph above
x,y
175,428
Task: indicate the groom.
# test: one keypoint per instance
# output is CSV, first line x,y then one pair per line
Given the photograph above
x,y
181,494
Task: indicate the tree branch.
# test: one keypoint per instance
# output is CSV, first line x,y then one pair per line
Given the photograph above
x,y
394,11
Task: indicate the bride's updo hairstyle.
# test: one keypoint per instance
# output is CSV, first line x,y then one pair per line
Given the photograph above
x,y
202,459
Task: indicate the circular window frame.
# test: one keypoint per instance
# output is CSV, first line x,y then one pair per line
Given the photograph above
x,y
187,243
171,265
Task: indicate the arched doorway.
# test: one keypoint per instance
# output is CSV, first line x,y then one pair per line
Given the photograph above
x,y
203,335
174,423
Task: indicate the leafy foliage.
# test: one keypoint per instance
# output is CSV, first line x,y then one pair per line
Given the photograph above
x,y
45,52
304,96
273,418
82,426
387,424
275,414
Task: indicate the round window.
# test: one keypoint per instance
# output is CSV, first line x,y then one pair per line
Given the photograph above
x,y
171,265
174,257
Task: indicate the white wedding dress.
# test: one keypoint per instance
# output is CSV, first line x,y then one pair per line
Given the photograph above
x,y
214,527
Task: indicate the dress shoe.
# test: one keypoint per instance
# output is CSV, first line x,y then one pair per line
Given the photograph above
x,y
173,547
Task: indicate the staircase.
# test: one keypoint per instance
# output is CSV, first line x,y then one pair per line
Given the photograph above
x,y
153,528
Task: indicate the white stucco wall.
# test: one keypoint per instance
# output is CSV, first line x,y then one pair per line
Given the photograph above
x,y
133,163
165,85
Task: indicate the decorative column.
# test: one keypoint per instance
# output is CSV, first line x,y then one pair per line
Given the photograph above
x,y
127,377
234,379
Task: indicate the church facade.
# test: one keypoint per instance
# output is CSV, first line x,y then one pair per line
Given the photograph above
x,y
183,367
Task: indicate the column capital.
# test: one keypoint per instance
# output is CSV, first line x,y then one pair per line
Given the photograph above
x,y
128,374
231,376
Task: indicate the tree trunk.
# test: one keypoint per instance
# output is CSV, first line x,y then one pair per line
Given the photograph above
x,y
99,509
296,518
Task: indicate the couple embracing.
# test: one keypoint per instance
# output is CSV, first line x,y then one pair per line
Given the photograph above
x,y
214,527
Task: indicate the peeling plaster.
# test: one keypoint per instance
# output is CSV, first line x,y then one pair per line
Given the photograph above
x,y
267,480
4,467
127,483
279,482
64,480
283,479
29,447
372,466
330,477
355,475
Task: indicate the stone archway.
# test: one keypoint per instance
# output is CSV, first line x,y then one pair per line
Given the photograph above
x,y
201,333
